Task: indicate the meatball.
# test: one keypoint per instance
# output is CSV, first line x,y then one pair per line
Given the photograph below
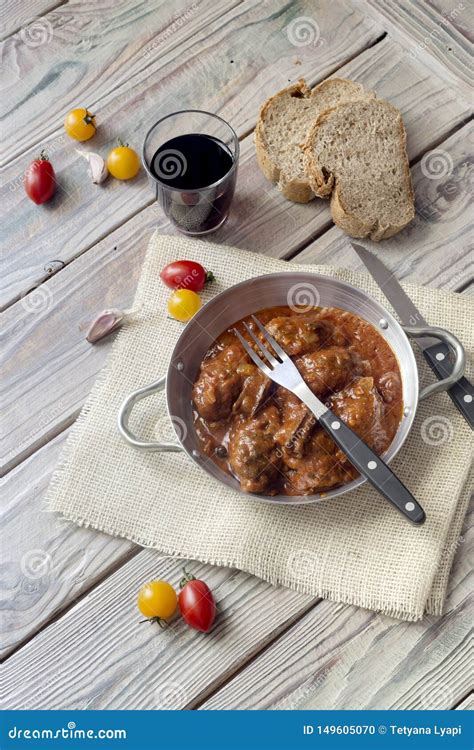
x,y
362,409
320,467
297,422
301,333
328,370
219,383
253,454
255,389
390,386
338,334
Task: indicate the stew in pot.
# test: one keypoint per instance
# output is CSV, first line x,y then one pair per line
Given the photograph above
x,y
264,435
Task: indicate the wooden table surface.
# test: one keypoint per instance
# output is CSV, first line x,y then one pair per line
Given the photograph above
x,y
70,637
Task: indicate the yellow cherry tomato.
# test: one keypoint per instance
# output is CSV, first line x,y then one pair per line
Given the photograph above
x,y
123,162
80,124
183,304
157,599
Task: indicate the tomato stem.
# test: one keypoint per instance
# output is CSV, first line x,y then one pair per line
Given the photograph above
x,y
186,578
43,156
209,277
88,118
121,143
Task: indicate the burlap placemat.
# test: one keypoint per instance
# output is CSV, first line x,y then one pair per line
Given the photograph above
x,y
353,549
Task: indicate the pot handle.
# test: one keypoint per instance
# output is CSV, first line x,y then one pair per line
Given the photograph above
x,y
124,414
453,343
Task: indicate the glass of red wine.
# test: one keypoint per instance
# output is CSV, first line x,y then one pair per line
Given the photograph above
x,y
191,158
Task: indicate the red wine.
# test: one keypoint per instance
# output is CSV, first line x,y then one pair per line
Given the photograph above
x,y
187,169
191,162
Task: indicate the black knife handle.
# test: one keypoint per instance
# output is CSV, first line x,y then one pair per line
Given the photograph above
x,y
372,467
462,392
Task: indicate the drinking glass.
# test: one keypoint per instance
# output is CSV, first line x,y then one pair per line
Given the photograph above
x,y
202,206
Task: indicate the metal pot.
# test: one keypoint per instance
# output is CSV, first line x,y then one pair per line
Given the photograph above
x,y
269,291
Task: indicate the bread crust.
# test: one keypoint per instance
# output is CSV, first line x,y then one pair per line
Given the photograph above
x,y
325,183
296,190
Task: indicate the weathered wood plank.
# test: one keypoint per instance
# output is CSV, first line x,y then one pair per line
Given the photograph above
x,y
340,657
79,53
139,661
429,32
105,278
58,370
25,18
46,564
74,221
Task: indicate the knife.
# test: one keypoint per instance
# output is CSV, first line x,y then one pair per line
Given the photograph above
x,y
437,355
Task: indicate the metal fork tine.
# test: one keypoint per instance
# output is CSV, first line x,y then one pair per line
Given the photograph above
x,y
276,346
253,356
261,347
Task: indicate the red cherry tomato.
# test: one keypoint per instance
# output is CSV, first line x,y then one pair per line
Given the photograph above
x,y
196,603
40,180
185,274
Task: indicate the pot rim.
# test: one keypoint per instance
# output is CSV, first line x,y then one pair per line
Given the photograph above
x,y
386,316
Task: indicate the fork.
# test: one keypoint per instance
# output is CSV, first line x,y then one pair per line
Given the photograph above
x,y
282,370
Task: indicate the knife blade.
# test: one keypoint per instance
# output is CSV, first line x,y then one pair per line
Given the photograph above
x,y
437,355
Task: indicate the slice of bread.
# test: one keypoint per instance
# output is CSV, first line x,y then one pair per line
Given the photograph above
x,y
283,127
356,153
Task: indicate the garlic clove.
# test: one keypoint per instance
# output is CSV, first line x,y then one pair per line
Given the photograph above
x,y
107,322
97,166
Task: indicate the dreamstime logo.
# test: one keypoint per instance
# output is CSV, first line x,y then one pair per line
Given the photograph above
x,y
29,586
416,319
302,564
436,430
437,164
438,34
40,299
303,31
36,563
44,420
298,438
297,698
302,297
437,698
171,164
167,428
179,20
170,696
38,31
